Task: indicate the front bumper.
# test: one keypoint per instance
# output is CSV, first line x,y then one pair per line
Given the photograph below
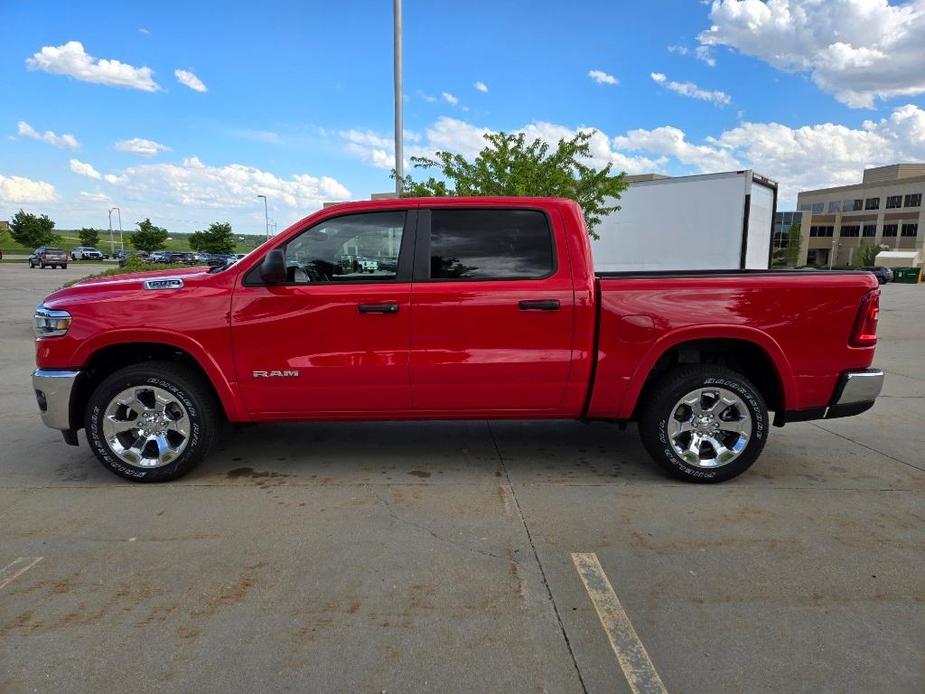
x,y
53,389
855,393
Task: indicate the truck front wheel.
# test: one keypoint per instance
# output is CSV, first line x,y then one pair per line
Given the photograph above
x,y
704,423
152,422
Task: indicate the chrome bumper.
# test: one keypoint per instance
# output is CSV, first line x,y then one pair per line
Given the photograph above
x,y
856,387
53,393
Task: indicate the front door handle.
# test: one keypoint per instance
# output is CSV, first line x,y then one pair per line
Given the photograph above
x,y
388,307
540,305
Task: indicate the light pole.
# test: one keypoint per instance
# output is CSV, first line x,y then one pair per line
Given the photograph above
x,y
266,216
399,163
112,245
121,242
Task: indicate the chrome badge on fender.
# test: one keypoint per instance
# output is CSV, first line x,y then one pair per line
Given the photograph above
x,y
275,374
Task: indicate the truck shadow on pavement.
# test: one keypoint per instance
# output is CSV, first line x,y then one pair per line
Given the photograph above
x,y
428,452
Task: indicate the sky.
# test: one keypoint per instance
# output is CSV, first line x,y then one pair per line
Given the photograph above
x,y
185,112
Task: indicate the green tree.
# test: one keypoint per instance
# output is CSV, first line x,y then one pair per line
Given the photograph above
x,y
509,165
216,239
32,231
794,241
148,237
89,236
866,254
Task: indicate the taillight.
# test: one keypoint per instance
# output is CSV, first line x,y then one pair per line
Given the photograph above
x,y
865,326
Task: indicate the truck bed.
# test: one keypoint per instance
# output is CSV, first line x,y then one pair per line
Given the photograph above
x,y
801,320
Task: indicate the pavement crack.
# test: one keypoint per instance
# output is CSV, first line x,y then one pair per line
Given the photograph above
x,y
420,526
536,557
870,448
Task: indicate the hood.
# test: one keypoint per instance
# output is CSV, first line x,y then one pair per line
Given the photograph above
x,y
102,288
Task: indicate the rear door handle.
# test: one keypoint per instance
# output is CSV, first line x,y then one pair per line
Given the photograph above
x,y
388,307
540,305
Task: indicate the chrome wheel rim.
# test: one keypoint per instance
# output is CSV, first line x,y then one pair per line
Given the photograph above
x,y
146,426
709,427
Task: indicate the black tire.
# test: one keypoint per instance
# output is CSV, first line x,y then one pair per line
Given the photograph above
x,y
658,407
187,386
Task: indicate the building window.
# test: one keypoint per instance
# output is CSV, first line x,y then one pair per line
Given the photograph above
x,y
821,231
850,231
857,205
894,201
835,206
913,200
910,229
780,239
805,206
817,207
890,229
872,204
869,230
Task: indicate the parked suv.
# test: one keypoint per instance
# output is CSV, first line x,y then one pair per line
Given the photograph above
x,y
45,256
86,253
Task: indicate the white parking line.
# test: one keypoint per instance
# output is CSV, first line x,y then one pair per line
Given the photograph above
x,y
16,569
631,654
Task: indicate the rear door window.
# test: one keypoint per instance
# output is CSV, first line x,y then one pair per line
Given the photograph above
x,y
490,244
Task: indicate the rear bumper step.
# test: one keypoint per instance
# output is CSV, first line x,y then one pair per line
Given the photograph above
x,y
855,393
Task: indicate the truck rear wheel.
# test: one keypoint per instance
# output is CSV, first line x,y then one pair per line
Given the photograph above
x,y
704,423
152,422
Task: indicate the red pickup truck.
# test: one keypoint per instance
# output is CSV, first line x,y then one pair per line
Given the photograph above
x,y
451,308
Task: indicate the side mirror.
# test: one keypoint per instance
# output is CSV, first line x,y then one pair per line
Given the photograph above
x,y
273,267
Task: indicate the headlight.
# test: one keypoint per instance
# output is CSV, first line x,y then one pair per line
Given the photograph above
x,y
49,323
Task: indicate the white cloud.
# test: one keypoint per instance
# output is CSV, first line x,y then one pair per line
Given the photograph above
x,y
83,169
857,50
267,136
691,90
702,53
480,86
94,197
138,145
801,158
63,141
705,55
602,77
449,98
454,135
144,31
187,78
193,183
17,189
72,60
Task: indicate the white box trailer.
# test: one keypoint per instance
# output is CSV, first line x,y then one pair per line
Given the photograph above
x,y
717,221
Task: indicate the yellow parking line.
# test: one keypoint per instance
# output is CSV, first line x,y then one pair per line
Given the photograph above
x,y
17,568
631,654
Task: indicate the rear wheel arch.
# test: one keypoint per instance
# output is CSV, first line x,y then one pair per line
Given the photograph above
x,y
770,375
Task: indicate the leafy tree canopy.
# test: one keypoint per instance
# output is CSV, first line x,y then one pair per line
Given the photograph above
x,y
866,255
148,237
89,237
216,239
509,165
794,240
32,231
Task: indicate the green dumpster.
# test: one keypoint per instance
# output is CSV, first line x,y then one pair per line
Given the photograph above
x,y
907,275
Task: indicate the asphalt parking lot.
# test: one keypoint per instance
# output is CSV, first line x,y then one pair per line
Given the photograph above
x,y
439,556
